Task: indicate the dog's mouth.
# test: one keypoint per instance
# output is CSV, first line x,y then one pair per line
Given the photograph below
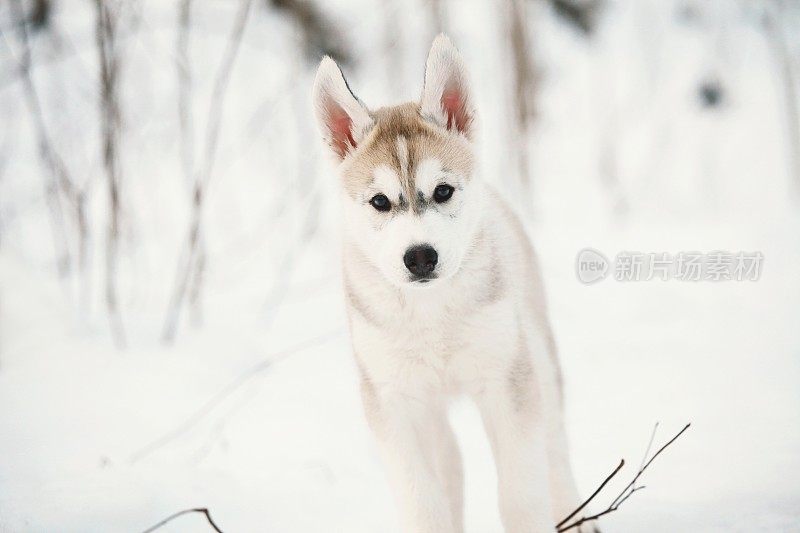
x,y
418,280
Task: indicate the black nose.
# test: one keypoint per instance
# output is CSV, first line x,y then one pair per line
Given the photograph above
x,y
421,260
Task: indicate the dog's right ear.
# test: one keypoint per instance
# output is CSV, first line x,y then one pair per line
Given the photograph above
x,y
343,120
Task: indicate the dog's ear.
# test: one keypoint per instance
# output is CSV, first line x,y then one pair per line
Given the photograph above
x,y
342,118
446,98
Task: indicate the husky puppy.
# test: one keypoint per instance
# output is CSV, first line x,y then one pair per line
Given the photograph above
x,y
444,297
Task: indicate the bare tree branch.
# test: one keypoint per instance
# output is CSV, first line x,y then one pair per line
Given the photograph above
x,y
68,51
189,261
184,70
60,183
643,468
187,141
595,493
626,493
202,510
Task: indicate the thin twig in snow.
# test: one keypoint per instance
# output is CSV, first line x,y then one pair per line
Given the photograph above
x,y
217,430
202,510
226,392
626,493
595,493
649,445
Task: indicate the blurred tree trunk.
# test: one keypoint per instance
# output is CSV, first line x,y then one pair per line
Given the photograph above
x,y
187,142
192,263
4,158
438,16
40,14
392,50
523,87
776,11
184,71
61,185
110,119
580,13
320,35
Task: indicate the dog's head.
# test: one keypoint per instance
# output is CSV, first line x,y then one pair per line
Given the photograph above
x,y
406,170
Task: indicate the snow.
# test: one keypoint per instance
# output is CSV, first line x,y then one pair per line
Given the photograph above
x,y
254,411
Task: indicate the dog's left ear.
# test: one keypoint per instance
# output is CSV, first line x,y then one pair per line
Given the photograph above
x,y
446,98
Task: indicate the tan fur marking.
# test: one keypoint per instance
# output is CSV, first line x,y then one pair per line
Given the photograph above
x,y
405,171
402,155
355,300
520,376
535,297
421,140
495,284
370,399
357,303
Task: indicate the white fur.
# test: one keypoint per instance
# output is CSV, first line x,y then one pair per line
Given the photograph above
x,y
479,329
385,238
430,344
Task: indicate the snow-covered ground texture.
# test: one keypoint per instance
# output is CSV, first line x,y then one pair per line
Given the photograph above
x,y
253,412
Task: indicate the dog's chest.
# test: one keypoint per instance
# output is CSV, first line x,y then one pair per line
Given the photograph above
x,y
433,343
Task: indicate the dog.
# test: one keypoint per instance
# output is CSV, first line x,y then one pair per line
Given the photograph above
x,y
444,298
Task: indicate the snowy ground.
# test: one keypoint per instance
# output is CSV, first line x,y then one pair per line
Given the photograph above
x,y
255,414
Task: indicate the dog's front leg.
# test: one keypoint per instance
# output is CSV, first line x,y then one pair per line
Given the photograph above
x,y
449,468
510,409
404,427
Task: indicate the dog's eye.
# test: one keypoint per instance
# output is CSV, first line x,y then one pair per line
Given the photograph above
x,y
442,193
380,202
